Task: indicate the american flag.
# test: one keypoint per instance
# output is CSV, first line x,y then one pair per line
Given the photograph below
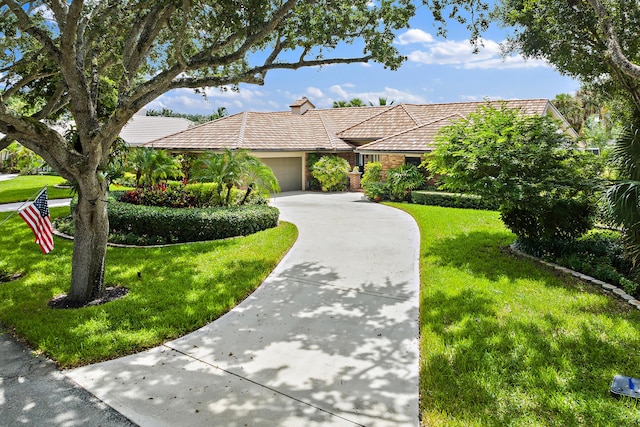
x,y
36,215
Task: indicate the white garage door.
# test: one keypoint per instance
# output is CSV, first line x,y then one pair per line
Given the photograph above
x,y
288,170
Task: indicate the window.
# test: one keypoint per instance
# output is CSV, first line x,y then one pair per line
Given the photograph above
x,y
412,161
373,158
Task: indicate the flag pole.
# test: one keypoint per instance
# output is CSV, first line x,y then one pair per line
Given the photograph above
x,y
33,196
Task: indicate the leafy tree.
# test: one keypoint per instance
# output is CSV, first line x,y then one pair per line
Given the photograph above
x,y
544,187
99,62
331,172
593,40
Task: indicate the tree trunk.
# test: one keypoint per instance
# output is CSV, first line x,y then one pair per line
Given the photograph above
x,y
90,240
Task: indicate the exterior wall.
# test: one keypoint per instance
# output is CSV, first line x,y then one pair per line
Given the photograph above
x,y
390,161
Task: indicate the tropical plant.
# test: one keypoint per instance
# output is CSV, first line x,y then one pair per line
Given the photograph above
x,y
402,180
258,176
623,196
231,169
545,188
151,165
331,172
355,102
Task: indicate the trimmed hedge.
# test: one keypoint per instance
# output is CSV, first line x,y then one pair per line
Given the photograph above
x,y
177,225
450,200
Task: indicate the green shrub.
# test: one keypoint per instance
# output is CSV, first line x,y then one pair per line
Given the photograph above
x,y
598,254
562,216
189,225
402,180
332,173
372,174
148,225
450,200
373,183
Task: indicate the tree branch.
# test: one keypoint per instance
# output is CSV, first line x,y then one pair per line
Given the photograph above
x,y
614,49
26,24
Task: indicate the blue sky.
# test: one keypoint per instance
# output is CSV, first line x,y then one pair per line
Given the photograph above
x,y
437,70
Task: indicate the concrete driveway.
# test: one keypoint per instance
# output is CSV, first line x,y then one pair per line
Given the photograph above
x,y
329,339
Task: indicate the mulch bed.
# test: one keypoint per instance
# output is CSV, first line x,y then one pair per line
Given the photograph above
x,y
111,293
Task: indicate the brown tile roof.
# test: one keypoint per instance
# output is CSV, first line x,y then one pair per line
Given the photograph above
x,y
405,116
280,131
417,139
403,127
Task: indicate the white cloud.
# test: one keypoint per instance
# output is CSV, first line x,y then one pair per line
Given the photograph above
x,y
461,54
414,35
338,90
346,92
314,92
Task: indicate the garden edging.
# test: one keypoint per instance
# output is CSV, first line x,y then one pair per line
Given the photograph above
x,y
604,285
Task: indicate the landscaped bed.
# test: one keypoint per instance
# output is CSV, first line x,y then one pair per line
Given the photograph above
x,y
506,341
172,291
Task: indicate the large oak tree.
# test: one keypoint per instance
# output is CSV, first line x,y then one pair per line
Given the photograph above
x,y
97,62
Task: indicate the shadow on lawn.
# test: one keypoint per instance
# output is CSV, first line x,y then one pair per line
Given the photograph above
x,y
499,370
497,360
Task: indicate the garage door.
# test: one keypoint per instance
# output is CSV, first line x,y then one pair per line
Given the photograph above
x,y
288,170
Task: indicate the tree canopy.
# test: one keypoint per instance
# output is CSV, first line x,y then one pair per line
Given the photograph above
x,y
96,63
595,41
543,185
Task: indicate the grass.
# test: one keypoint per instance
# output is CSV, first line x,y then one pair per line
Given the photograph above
x,y
24,187
505,341
178,289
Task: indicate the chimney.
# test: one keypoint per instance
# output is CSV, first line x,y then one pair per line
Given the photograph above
x,y
301,106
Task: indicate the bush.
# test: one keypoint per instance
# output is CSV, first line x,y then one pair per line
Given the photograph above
x,y
373,183
450,200
560,217
402,180
372,174
149,225
190,225
178,195
544,185
599,254
332,173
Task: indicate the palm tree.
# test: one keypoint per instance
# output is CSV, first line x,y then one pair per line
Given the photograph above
x,y
623,196
382,101
258,175
235,169
150,164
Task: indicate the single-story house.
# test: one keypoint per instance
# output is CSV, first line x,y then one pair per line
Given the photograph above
x,y
393,135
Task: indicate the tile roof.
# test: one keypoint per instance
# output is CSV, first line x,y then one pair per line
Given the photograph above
x,y
403,127
142,129
279,131
405,116
417,139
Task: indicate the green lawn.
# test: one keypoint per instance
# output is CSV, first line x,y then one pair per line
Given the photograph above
x,y
178,289
22,188
505,341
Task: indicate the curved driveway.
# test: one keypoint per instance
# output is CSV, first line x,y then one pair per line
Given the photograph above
x,y
329,339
